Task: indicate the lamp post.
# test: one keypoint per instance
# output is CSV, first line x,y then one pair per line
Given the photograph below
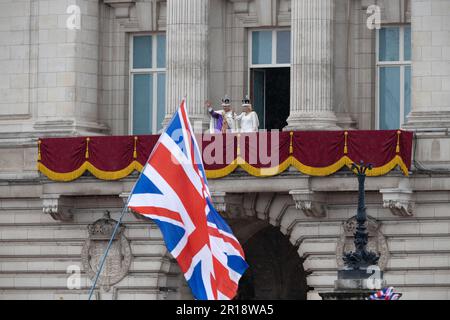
x,y
361,258
355,281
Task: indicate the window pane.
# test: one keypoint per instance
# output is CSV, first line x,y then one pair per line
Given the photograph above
x,y
142,97
389,98
407,91
161,54
262,47
283,47
161,100
407,43
142,52
389,44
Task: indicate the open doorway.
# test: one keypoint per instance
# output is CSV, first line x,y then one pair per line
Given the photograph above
x,y
275,269
270,93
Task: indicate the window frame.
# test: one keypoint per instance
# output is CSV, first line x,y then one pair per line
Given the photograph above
x,y
274,63
154,71
252,66
401,63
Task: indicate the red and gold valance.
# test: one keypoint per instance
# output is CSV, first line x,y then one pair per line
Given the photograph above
x,y
315,153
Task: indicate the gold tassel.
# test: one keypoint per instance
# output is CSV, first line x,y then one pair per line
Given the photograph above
x,y
39,150
397,149
135,151
87,148
345,143
239,145
291,144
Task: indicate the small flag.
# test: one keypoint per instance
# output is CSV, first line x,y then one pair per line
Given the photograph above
x,y
385,294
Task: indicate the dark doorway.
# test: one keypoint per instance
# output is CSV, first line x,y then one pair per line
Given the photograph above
x,y
270,91
275,270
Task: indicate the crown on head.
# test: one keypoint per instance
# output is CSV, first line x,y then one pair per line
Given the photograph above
x,y
246,101
226,101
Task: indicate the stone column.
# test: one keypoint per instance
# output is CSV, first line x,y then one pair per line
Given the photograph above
x,y
187,57
312,65
430,64
65,64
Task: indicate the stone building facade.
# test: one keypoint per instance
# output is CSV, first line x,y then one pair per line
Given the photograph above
x,y
60,76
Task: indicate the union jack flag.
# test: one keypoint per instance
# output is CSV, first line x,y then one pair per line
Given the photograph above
x,y
173,191
385,294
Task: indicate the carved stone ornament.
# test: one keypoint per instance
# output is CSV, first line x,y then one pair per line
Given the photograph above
x,y
313,204
240,6
118,260
219,200
121,7
377,241
229,205
399,201
58,207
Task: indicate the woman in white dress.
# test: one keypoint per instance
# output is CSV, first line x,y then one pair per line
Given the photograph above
x,y
248,120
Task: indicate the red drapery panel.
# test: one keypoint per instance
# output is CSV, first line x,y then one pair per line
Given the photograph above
x,y
317,153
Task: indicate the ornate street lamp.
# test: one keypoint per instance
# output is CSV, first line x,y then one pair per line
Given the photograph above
x,y
355,281
361,258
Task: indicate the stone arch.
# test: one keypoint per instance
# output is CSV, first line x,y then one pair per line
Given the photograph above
x,y
275,268
275,209
264,232
263,223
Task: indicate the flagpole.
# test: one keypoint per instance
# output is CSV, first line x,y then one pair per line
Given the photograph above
x,y
100,268
124,210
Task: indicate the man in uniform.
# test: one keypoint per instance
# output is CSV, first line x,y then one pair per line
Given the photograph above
x,y
222,121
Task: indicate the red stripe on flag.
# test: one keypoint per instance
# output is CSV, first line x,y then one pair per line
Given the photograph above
x,y
189,141
173,173
215,233
159,212
224,283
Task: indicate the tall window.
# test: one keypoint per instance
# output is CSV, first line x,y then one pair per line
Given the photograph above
x,y
148,83
270,48
393,76
269,76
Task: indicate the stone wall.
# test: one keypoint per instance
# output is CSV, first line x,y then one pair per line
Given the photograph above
x,y
15,62
55,81
36,250
113,73
413,242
